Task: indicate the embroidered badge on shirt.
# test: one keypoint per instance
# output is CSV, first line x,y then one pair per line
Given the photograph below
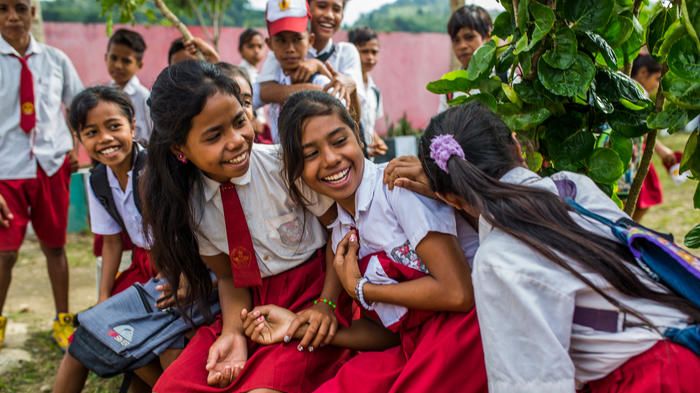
x,y
27,108
407,256
291,232
240,257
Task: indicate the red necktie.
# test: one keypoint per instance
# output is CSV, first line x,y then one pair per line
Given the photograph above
x,y
27,112
244,264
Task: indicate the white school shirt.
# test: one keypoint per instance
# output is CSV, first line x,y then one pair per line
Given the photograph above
x,y
275,108
55,82
372,108
102,223
394,222
284,234
138,94
345,60
525,304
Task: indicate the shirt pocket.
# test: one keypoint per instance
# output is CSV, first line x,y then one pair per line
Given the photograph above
x,y
287,230
48,94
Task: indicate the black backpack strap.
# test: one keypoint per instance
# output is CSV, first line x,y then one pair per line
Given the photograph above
x,y
136,171
100,187
377,94
325,56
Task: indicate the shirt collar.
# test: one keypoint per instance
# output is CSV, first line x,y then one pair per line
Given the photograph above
x,y
114,182
211,186
7,49
364,193
314,53
523,176
130,87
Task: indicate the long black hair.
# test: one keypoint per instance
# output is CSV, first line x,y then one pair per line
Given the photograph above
x,y
170,188
537,217
297,110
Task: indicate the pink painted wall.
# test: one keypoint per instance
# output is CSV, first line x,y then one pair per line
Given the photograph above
x,y
407,61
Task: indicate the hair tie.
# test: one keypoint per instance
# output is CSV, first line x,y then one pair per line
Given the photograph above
x,y
442,148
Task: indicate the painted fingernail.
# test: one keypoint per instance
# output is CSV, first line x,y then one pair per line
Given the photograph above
x,y
300,348
261,319
287,339
311,349
353,238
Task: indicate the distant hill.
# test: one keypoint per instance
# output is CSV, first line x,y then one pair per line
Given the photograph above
x,y
411,16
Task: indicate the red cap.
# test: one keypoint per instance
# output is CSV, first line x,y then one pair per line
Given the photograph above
x,y
287,15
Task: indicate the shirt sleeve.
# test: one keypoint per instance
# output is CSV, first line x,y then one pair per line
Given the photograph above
x,y
417,215
101,222
270,69
352,66
206,247
71,81
519,311
442,106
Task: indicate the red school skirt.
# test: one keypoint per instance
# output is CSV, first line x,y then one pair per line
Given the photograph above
x,y
443,354
280,366
664,368
651,193
139,271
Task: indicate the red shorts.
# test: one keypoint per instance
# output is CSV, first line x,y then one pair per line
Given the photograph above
x,y
651,193
139,271
664,368
43,201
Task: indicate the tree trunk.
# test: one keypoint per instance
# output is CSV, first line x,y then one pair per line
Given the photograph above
x,y
454,6
38,22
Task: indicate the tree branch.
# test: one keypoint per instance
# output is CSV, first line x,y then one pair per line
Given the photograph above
x,y
200,18
631,203
173,19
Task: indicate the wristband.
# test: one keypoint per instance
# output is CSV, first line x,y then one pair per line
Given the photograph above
x,y
325,301
360,294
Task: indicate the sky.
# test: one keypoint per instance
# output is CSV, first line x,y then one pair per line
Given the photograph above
x,y
357,7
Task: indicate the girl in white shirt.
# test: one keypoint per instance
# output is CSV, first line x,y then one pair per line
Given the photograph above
x,y
215,200
562,306
412,277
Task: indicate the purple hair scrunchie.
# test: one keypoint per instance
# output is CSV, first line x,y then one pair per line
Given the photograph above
x,y
442,148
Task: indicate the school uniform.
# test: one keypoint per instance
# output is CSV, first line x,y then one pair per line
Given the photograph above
x,y
138,94
35,141
542,327
288,243
274,108
342,56
372,108
390,225
102,223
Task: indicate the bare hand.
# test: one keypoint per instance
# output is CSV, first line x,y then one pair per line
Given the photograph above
x,y
407,172
306,70
322,326
267,324
197,44
346,264
341,86
227,357
167,299
5,213
378,147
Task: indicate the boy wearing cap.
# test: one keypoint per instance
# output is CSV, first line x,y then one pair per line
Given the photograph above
x,y
289,40
36,156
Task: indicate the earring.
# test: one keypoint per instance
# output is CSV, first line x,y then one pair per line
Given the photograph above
x,y
181,158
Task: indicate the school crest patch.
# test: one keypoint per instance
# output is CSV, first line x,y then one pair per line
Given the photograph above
x,y
240,257
27,108
291,232
407,256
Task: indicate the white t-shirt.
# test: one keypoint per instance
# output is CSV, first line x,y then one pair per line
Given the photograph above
x,y
138,94
525,304
102,223
345,59
372,108
55,82
284,234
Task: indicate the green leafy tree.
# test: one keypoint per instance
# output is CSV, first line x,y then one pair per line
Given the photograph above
x,y
568,93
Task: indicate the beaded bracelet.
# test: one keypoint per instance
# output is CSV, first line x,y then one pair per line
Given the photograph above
x,y
325,301
360,294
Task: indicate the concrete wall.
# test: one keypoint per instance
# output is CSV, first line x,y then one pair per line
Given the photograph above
x,y
407,62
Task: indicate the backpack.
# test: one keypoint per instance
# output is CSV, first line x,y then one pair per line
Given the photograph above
x,y
99,182
657,255
127,331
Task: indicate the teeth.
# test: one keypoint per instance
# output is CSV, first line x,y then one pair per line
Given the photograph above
x,y
338,176
109,150
327,25
238,159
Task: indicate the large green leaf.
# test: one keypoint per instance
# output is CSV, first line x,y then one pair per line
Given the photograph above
x,y
587,14
544,20
576,147
451,82
618,30
684,59
523,15
622,146
527,120
603,48
569,82
629,123
503,25
563,53
505,60
689,152
672,118
618,87
597,101
484,98
682,92
605,166
532,92
692,238
482,61
696,197
629,49
521,45
658,27
674,33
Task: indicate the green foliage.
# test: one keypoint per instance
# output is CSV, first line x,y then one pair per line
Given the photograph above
x,y
567,91
403,127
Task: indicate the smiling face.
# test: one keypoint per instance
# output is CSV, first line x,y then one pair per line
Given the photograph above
x,y
326,17
254,50
246,96
290,48
333,159
122,63
220,139
16,22
465,43
108,135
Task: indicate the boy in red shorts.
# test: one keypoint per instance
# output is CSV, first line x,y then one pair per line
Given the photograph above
x,y
36,157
